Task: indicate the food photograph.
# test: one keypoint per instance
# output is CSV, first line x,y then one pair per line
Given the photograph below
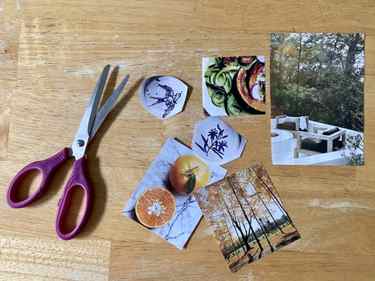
x,y
234,85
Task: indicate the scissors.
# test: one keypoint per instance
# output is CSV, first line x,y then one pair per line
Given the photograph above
x,y
90,123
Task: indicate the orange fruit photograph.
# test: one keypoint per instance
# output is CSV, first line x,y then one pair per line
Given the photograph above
x,y
188,174
169,212
155,207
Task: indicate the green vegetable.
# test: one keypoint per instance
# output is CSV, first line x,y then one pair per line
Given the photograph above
x,y
231,106
219,79
217,96
223,79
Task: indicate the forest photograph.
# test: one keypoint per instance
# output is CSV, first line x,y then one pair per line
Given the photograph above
x,y
320,75
247,216
317,82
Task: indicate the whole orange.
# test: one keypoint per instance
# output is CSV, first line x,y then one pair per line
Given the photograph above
x,y
188,173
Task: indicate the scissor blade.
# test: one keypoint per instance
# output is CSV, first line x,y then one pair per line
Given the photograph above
x,y
83,133
108,106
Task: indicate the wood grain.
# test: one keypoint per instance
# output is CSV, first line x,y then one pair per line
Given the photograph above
x,y
8,67
54,260
55,50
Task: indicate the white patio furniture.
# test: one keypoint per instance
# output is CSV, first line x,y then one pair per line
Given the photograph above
x,y
319,136
301,123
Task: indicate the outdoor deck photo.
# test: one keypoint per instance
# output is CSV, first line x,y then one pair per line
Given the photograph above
x,y
317,86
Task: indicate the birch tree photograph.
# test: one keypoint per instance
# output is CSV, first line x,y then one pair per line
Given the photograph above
x,y
247,216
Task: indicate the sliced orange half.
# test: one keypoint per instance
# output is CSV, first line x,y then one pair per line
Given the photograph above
x,y
155,207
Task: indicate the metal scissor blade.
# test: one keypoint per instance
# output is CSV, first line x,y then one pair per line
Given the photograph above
x,y
85,127
108,106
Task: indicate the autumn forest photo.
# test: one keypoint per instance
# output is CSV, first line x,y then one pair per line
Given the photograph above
x,y
247,215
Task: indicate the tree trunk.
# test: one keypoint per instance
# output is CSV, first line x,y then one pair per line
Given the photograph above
x,y
298,68
260,223
247,218
350,57
262,227
270,213
275,199
238,227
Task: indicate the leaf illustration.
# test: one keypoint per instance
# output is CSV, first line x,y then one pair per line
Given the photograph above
x,y
205,141
218,153
221,146
221,131
201,147
212,134
214,141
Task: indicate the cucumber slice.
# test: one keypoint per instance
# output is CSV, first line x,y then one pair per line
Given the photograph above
x,y
218,99
231,106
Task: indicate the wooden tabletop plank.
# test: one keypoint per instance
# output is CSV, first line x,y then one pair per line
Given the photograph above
x,y
9,32
52,259
50,57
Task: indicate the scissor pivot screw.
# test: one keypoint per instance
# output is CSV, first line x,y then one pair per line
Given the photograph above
x,y
81,143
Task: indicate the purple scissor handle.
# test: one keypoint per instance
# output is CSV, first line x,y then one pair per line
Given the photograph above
x,y
90,123
76,180
46,168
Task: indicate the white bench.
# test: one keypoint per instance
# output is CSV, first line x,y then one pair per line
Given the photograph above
x,y
320,136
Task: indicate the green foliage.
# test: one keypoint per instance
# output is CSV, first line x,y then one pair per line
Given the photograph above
x,y
355,146
320,75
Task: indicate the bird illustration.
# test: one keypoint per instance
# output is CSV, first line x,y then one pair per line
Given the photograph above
x,y
170,99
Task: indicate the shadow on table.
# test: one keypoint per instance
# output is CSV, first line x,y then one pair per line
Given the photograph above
x,y
93,170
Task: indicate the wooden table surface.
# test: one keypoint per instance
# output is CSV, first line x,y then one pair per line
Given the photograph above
x,y
50,55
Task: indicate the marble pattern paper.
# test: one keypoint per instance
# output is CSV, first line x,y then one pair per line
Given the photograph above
x,y
188,213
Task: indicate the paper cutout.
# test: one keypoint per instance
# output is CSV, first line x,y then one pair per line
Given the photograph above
x,y
247,216
163,96
317,100
188,213
217,142
233,85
